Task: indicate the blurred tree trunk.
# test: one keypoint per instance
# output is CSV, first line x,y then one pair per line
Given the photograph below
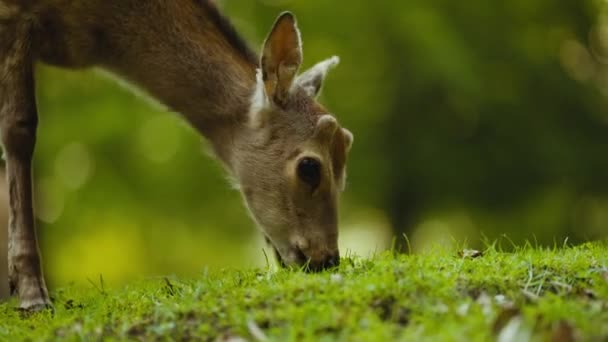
x,y
403,210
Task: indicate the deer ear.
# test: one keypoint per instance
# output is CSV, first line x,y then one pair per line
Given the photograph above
x,y
281,57
312,80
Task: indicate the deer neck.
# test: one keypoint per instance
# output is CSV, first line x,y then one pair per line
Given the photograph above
x,y
199,67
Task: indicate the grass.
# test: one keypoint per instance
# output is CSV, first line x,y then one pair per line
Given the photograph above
x,y
529,294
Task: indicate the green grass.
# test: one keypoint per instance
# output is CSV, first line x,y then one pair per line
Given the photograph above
x,y
532,293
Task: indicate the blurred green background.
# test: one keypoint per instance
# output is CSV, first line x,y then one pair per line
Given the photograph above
x,y
472,119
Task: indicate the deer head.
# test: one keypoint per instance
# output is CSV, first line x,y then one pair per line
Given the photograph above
x,y
291,163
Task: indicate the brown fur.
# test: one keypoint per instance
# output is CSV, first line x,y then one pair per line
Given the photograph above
x,y
188,56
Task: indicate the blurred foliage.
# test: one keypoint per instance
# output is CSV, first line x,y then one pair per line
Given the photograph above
x,y
470,118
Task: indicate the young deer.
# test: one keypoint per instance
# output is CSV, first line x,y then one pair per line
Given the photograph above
x,y
285,151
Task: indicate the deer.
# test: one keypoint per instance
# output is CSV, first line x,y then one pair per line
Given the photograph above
x,y
261,116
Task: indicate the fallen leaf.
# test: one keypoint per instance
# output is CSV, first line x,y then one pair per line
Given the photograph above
x,y
485,302
503,301
563,286
515,330
504,318
336,278
563,332
470,254
256,331
463,309
531,296
231,339
590,294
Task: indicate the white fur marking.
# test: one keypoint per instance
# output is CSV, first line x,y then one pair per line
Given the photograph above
x,y
134,89
312,79
299,34
324,66
233,182
259,100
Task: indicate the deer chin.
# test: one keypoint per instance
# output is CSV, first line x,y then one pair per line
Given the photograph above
x,y
287,256
293,258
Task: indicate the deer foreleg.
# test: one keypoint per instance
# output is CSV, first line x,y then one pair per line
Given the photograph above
x,y
18,122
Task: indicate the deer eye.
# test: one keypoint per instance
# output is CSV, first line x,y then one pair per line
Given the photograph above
x,y
309,171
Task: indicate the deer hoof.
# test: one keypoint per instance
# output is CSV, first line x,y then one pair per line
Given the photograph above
x,y
36,305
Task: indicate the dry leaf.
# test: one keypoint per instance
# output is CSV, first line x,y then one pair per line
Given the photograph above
x,y
470,254
531,296
504,318
256,331
485,302
463,309
563,332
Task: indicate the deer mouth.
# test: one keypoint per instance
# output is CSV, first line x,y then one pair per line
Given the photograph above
x,y
305,262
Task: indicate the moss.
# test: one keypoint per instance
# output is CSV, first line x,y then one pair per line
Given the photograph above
x,y
443,294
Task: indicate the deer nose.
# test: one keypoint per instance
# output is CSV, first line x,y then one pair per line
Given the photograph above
x,y
330,261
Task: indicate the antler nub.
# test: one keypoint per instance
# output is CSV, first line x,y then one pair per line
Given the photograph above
x,y
348,139
326,128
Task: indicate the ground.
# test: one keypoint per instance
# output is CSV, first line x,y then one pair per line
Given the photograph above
x,y
532,293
